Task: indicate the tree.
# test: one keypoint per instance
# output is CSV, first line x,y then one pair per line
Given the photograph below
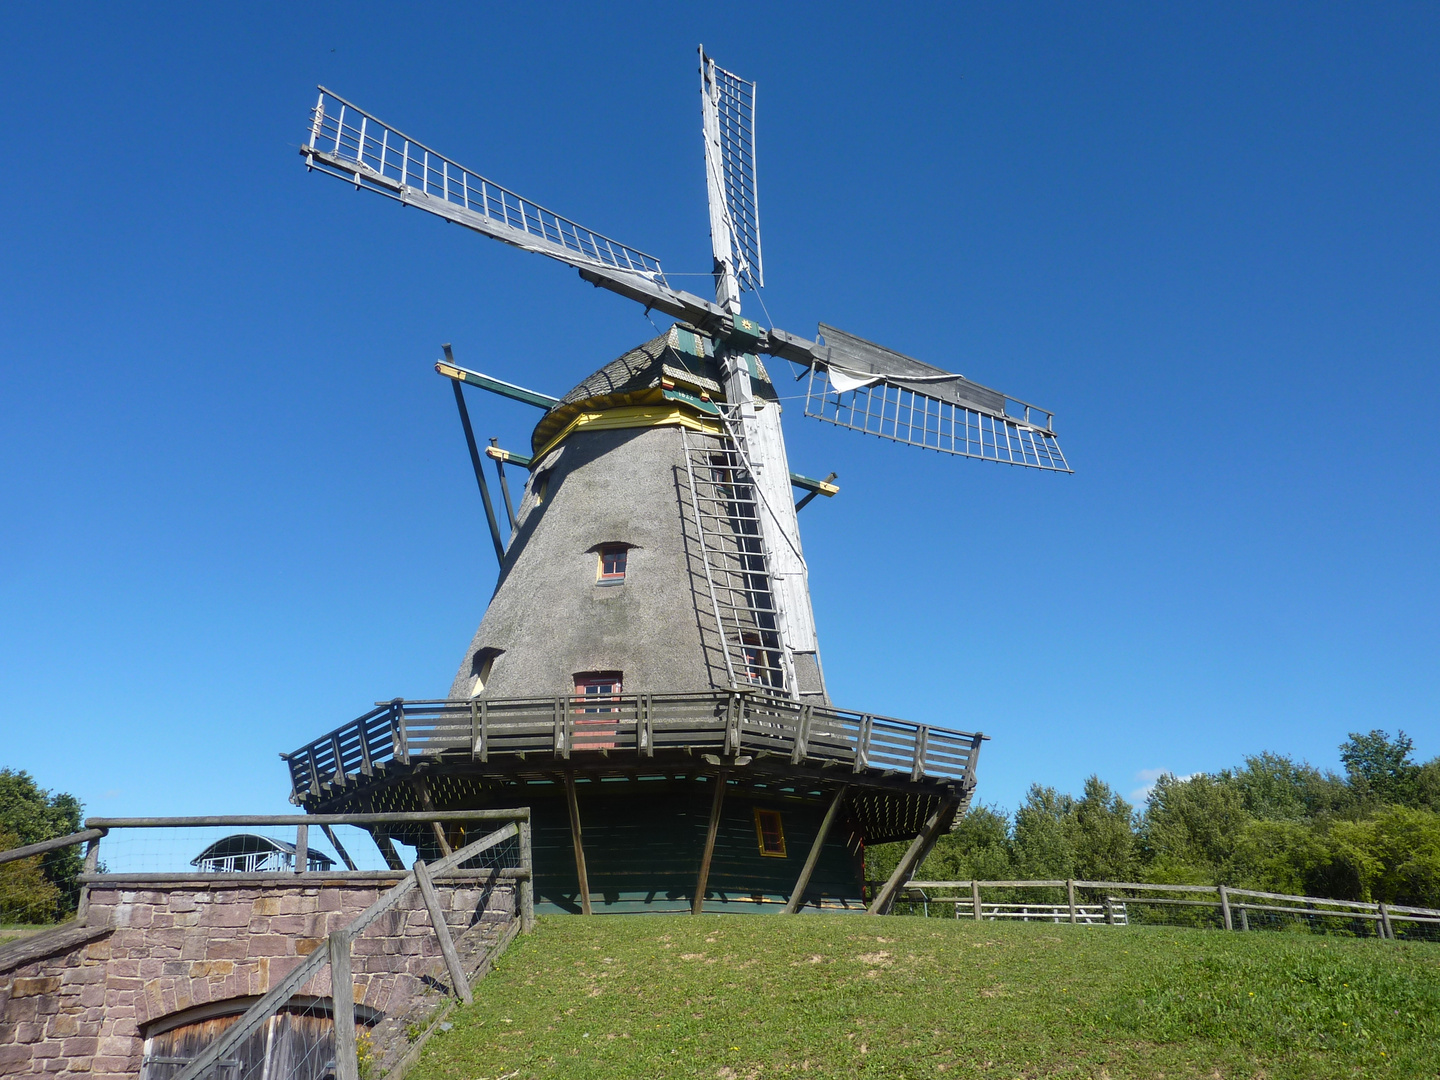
x,y
1191,828
1101,831
977,847
31,814
1281,856
1042,842
1380,768
1406,844
1274,788
25,895
1427,785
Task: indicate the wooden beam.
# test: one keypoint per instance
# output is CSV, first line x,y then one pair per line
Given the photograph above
x,y
580,872
459,983
50,845
499,459
479,471
342,997
721,779
387,850
422,788
339,847
797,895
914,855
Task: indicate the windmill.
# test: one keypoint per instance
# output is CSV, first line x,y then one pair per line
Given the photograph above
x,y
650,647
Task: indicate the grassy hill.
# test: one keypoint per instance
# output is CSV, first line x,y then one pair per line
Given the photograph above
x,y
746,998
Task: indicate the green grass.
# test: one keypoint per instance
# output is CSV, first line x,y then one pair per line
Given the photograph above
x,y
746,998
14,931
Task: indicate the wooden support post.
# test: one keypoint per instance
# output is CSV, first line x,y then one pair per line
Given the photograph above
x,y
1109,911
797,896
1225,908
580,872
92,864
1244,919
339,847
459,983
302,848
975,899
527,884
1070,899
387,849
1386,930
914,855
504,488
342,998
475,463
427,803
721,779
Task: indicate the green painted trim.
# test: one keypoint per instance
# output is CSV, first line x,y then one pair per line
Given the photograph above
x,y
496,386
509,457
811,484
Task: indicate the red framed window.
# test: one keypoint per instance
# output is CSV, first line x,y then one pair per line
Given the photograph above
x,y
613,558
594,693
597,687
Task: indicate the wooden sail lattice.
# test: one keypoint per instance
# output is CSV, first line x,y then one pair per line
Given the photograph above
x,y
910,416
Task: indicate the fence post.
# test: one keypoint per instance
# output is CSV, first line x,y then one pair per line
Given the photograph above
x,y
1386,930
527,883
1244,919
442,932
1225,907
975,898
1109,911
342,997
92,863
1070,899
302,848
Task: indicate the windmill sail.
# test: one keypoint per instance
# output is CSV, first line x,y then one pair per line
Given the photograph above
x,y
728,113
857,384
349,143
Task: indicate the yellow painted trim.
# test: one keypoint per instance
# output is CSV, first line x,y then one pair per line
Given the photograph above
x,y
630,416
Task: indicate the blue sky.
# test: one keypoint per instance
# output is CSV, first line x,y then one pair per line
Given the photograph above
x,y
238,507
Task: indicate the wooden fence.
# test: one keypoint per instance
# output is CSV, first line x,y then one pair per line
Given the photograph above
x,y
560,728
1116,898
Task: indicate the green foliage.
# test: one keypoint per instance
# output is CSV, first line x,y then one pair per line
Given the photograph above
x,y
25,894
30,814
820,996
1101,828
1192,828
1274,788
978,846
1273,824
1042,845
1381,768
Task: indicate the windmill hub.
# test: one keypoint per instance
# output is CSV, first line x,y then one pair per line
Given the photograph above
x,y
647,675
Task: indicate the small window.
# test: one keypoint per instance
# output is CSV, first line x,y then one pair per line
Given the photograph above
x,y
597,687
770,833
480,666
613,558
541,486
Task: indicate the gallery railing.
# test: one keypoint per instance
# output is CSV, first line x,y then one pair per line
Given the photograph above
x,y
559,728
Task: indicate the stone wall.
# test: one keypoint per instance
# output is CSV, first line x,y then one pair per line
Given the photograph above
x,y
162,949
